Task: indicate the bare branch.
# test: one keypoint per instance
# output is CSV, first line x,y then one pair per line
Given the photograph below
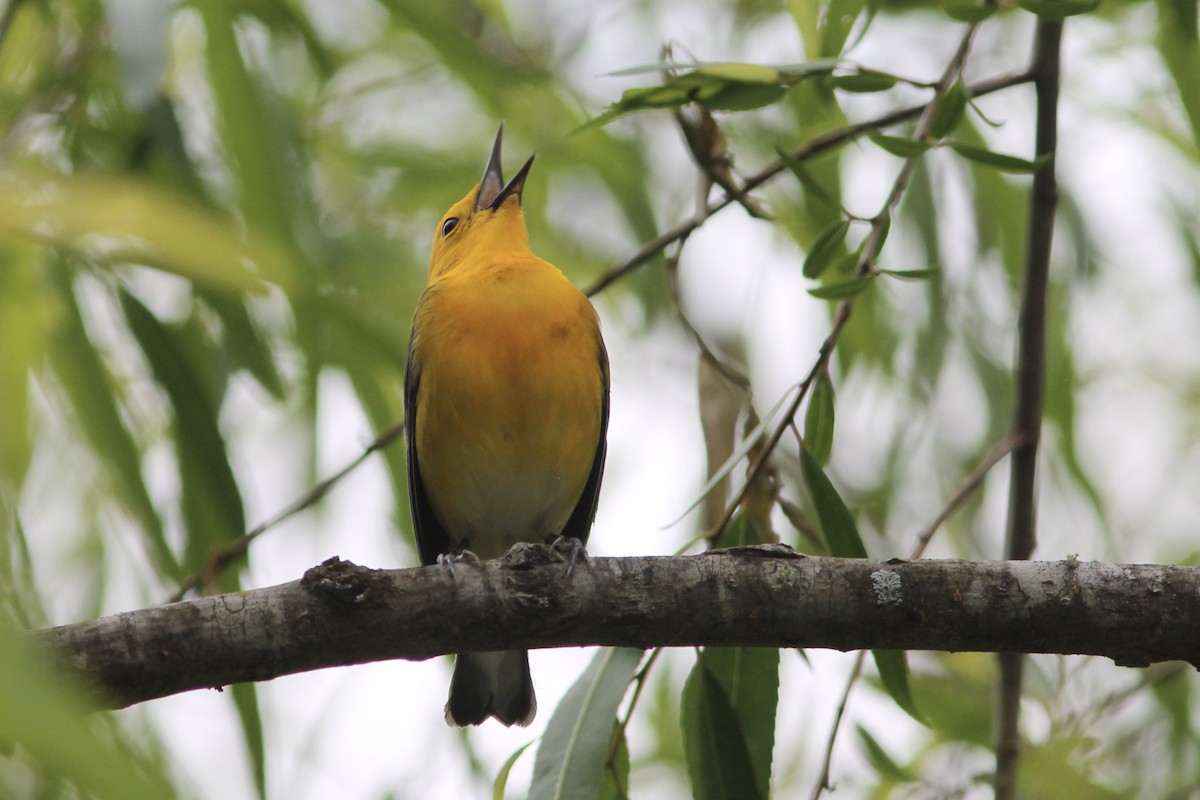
x,y
770,596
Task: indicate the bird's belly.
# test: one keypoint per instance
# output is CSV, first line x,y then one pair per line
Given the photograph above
x,y
510,428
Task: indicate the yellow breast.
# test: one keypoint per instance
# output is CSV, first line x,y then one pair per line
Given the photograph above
x,y
509,404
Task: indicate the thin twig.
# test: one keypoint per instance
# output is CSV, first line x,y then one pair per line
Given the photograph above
x,y
219,559
827,762
814,147
1021,531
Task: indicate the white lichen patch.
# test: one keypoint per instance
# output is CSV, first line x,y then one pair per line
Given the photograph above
x,y
889,590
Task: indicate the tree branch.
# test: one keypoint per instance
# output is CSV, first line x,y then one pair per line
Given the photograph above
x,y
770,596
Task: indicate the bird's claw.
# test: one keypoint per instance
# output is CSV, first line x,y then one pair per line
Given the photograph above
x,y
571,549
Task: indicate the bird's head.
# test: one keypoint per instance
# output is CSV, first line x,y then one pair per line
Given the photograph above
x,y
486,223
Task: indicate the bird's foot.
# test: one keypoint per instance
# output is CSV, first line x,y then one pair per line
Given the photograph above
x,y
463,556
571,550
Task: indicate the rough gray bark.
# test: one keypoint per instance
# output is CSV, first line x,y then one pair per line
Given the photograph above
x,y
340,613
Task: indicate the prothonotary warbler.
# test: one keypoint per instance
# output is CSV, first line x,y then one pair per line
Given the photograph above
x,y
506,413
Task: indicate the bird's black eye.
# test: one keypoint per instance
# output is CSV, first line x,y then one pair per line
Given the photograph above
x,y
448,226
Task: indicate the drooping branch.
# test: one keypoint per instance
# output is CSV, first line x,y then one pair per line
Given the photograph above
x,y
341,614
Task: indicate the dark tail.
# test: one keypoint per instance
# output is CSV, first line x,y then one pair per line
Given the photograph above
x,y
495,684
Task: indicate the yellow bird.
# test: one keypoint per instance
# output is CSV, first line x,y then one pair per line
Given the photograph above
x,y
506,413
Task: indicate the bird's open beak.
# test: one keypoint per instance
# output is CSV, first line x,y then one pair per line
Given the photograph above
x,y
492,189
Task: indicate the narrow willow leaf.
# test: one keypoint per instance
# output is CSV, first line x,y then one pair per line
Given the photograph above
x,y
742,97
570,760
1179,46
836,521
843,289
827,244
910,274
749,678
501,782
92,391
819,419
968,10
865,81
949,111
880,759
211,500
615,785
716,752
899,146
811,185
57,731
893,671
1058,9
742,73
245,698
1001,161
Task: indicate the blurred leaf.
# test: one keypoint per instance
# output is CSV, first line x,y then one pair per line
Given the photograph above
x,y
864,81
501,782
53,724
809,183
749,679
1001,161
836,522
117,220
968,10
1053,770
245,698
244,343
93,394
570,759
893,671
211,501
1058,9
949,111
898,146
1179,44
843,289
24,318
827,245
616,777
720,406
836,25
819,419
717,752
879,758
910,274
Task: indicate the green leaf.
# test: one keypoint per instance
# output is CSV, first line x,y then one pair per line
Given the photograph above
x,y
717,752
810,184
836,522
92,391
245,698
899,146
570,760
893,671
827,244
212,503
819,419
24,318
1179,44
843,289
910,274
1058,9
949,111
742,73
117,220
502,776
883,763
969,10
741,97
864,81
1001,161
616,776
60,733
